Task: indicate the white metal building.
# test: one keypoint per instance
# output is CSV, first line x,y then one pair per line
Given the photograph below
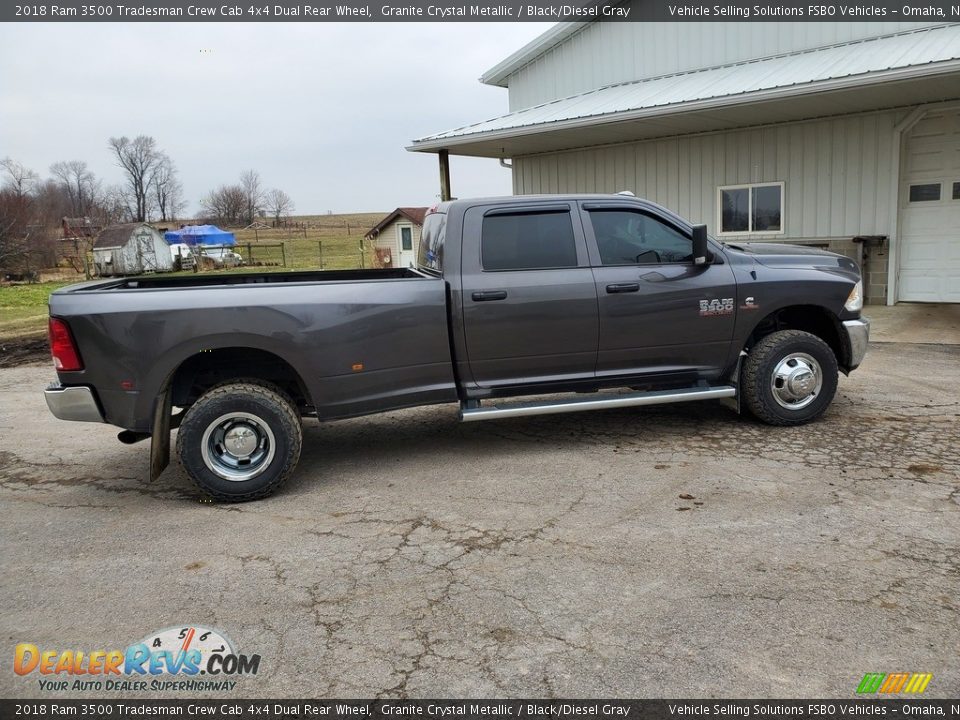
x,y
131,249
844,135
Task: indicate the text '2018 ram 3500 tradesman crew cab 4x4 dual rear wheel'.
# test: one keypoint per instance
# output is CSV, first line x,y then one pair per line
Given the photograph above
x,y
584,298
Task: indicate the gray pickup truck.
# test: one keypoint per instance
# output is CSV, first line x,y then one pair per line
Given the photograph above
x,y
517,306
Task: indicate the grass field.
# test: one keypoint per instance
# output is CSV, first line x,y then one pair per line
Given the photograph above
x,y
23,309
334,240
329,242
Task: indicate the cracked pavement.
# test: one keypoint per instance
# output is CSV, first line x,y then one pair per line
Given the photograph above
x,y
673,551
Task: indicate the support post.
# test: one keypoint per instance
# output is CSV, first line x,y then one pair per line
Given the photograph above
x,y
445,194
893,253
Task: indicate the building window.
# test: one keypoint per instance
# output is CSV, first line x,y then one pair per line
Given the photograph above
x,y
925,192
748,209
956,191
528,241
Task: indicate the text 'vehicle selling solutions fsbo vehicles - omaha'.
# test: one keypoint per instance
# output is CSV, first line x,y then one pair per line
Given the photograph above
x,y
596,301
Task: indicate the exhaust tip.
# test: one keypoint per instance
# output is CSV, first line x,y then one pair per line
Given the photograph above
x,y
129,437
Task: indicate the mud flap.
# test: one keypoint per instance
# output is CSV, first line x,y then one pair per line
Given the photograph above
x,y
160,435
734,402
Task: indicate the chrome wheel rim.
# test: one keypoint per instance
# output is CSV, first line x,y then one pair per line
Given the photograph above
x,y
238,446
796,381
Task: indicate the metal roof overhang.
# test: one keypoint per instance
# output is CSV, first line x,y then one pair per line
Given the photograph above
x,y
498,74
901,87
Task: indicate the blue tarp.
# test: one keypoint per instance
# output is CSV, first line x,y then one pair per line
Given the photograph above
x,y
200,235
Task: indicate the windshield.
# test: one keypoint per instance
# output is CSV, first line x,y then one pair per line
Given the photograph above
x,y
431,242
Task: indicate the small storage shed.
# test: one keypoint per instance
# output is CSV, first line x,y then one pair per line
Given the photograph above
x,y
397,237
131,249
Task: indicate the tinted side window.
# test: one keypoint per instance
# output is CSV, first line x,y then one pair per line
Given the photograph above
x,y
625,237
528,241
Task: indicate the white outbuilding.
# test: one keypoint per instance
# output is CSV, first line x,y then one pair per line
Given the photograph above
x,y
131,249
842,135
396,238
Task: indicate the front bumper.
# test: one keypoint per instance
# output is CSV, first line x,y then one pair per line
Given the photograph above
x,y
73,403
858,337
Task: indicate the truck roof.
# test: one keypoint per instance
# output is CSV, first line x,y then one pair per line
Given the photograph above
x,y
444,206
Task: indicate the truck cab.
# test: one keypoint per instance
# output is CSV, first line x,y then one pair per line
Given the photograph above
x,y
611,291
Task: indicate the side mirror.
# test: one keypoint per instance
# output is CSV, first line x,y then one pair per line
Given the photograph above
x,y
701,250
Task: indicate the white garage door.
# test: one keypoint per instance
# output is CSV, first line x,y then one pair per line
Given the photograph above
x,y
930,211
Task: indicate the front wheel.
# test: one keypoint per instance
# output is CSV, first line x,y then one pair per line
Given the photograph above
x,y
789,378
240,441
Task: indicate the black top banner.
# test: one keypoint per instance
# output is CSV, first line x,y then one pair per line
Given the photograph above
x,y
583,709
474,11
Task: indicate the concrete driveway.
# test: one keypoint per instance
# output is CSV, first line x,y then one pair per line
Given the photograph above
x,y
676,551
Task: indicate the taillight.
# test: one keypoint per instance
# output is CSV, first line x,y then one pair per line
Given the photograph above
x,y
66,357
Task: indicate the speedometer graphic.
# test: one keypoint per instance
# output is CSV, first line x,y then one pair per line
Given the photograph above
x,y
183,639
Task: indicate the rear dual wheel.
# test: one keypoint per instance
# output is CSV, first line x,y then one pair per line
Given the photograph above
x,y
789,378
240,441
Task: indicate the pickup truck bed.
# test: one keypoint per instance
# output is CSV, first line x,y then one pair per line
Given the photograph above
x,y
363,340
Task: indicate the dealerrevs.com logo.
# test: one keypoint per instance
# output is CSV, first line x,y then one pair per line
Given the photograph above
x,y
188,658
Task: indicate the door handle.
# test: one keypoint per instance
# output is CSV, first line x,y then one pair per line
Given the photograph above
x,y
623,288
488,295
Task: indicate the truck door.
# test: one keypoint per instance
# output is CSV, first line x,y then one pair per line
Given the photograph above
x,y
529,297
659,313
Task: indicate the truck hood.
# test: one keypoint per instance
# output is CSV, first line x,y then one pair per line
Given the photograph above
x,y
782,255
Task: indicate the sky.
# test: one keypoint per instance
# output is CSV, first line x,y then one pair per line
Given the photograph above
x,y
321,110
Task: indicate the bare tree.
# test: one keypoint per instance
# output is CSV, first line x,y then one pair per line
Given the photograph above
x,y
253,195
14,218
139,159
227,205
176,203
278,204
20,180
167,190
52,201
17,215
79,184
114,208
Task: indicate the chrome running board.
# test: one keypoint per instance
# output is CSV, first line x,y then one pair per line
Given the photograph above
x,y
602,402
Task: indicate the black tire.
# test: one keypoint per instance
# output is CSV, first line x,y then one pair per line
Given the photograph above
x,y
787,364
246,415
